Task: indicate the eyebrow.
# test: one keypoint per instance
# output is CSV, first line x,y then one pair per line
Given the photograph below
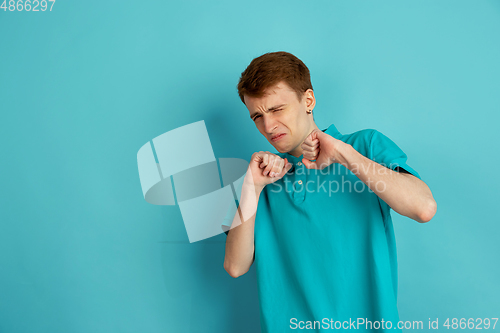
x,y
270,109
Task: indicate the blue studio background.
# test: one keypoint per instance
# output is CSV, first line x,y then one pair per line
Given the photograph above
x,y
84,86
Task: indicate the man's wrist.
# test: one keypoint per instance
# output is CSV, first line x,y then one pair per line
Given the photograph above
x,y
249,186
346,155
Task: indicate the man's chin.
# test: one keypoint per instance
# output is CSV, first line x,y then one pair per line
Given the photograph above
x,y
281,149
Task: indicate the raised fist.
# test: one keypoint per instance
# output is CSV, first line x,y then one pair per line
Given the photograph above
x,y
266,168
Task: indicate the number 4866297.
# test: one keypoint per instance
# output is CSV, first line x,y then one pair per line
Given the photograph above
x,y
26,5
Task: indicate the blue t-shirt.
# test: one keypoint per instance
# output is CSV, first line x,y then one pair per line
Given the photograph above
x,y
325,249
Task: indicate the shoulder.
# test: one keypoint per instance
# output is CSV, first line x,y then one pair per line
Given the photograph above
x,y
359,140
364,135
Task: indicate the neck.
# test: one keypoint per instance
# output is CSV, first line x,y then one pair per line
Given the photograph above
x,y
297,151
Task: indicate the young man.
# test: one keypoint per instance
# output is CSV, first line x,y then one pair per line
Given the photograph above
x,y
316,214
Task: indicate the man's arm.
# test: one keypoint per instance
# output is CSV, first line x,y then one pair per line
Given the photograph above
x,y
403,192
240,239
264,168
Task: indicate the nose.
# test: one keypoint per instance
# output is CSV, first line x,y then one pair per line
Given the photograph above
x,y
269,124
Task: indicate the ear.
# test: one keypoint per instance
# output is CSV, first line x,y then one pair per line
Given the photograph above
x,y
309,99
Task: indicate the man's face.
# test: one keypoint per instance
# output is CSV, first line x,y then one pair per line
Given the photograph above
x,y
280,112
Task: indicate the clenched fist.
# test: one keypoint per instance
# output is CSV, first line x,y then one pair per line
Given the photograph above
x,y
266,168
323,149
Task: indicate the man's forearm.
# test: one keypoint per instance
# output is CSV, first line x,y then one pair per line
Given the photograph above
x,y
404,193
240,239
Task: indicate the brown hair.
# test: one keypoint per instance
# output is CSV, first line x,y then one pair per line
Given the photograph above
x,y
269,69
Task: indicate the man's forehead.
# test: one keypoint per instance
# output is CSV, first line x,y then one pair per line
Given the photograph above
x,y
265,101
281,88
272,98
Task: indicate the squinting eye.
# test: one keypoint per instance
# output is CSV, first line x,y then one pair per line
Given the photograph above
x,y
254,118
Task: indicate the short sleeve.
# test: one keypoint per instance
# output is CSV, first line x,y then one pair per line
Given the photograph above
x,y
385,152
